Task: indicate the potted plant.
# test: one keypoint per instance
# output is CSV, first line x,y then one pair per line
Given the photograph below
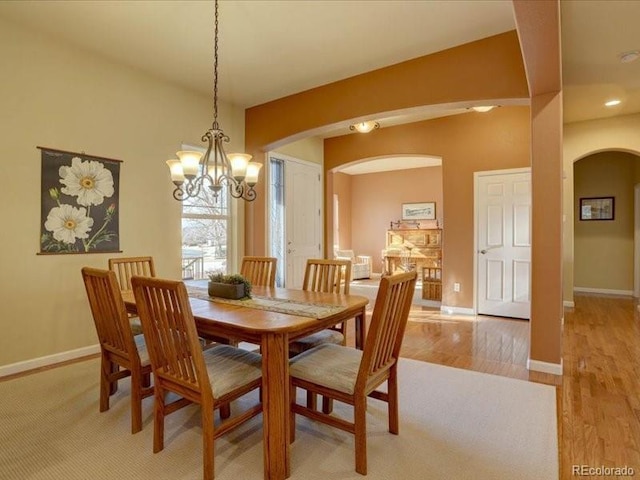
x,y
233,286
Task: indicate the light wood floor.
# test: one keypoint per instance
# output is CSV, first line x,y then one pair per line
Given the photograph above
x,y
599,393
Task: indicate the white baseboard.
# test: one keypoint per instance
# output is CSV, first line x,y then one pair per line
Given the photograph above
x,y
605,291
456,310
569,304
19,367
545,367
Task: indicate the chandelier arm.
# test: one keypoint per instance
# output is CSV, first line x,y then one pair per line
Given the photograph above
x,y
250,194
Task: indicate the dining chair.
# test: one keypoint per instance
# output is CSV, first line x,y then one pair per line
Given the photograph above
x,y
121,353
211,378
350,376
125,268
259,270
330,276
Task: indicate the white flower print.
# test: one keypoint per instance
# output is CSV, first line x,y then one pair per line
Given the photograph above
x,y
89,181
68,223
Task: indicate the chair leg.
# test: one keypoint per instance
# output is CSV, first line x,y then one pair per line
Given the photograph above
x,y
312,400
207,441
360,421
225,411
292,415
113,384
327,405
136,401
146,380
105,383
392,388
158,420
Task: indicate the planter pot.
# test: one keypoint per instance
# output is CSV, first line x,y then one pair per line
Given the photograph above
x,y
226,290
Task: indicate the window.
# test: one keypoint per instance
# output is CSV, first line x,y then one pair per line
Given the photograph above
x,y
205,234
277,216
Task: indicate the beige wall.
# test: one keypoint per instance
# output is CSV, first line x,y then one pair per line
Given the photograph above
x,y
61,97
604,249
309,149
582,139
377,200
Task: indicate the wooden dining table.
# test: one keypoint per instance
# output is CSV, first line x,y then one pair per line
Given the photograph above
x,y
273,331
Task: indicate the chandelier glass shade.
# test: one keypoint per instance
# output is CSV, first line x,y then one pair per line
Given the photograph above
x,y
192,171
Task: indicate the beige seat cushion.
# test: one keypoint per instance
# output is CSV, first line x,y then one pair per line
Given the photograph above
x,y
143,353
230,368
324,336
136,325
329,365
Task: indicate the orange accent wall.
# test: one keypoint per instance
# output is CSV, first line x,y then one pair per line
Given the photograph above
x,y
487,69
467,143
342,186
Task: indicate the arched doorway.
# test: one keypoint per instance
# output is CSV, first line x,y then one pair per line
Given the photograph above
x,y
606,247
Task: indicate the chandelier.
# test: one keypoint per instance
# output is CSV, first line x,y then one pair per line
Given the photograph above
x,y
192,171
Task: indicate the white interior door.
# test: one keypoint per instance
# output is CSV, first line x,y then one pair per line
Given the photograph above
x,y
503,240
303,198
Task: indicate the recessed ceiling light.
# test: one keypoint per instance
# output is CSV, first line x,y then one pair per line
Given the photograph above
x,y
628,57
612,103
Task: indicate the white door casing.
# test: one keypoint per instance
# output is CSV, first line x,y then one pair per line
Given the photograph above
x,y
503,243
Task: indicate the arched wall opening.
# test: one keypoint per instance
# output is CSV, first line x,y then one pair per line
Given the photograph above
x,y
368,194
606,258
581,140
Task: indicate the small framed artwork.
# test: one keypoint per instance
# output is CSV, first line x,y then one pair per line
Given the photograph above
x,y
597,208
419,211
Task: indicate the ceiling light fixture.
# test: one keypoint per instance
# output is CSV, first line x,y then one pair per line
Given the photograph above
x,y
216,169
483,108
628,57
613,103
364,127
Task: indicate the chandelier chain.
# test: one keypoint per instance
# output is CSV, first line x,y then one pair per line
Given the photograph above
x,y
215,69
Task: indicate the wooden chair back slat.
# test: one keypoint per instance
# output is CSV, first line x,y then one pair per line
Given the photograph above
x,y
127,267
109,312
388,322
259,270
330,276
172,339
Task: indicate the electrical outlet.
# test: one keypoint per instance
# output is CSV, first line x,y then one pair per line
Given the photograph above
x,y
456,287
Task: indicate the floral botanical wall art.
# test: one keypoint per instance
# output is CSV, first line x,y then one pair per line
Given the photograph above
x,y
80,208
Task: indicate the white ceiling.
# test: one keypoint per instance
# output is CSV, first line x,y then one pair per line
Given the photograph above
x,y
273,48
268,48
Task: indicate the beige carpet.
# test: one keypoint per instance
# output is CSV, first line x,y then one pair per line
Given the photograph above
x,y
455,424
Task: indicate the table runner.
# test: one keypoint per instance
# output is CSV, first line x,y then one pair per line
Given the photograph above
x,y
273,304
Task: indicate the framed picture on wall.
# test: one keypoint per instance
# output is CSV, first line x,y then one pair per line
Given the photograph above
x,y
419,211
597,208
